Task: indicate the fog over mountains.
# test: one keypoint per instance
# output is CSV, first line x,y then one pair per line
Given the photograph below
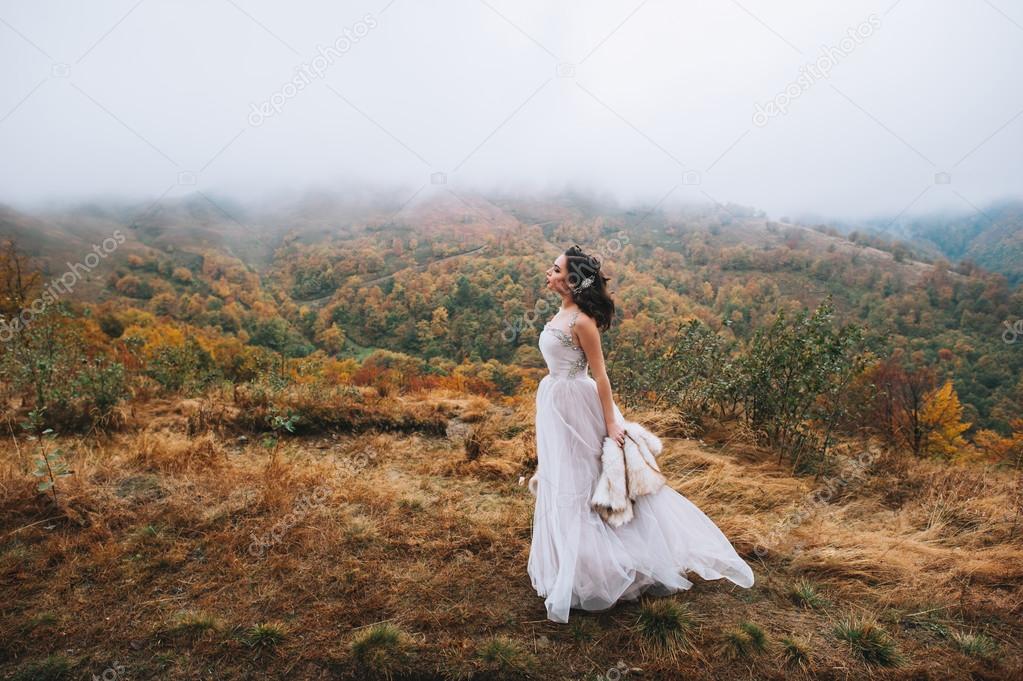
x,y
852,110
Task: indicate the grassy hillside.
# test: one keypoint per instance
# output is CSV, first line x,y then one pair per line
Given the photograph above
x,y
184,550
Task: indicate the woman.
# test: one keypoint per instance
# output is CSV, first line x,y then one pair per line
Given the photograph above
x,y
575,558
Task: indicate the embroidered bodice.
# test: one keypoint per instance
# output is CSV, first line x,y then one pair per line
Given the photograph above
x,y
564,358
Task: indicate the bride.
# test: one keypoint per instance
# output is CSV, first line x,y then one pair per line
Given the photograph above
x,y
576,560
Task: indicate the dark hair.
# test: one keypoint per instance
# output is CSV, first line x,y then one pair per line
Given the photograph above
x,y
589,286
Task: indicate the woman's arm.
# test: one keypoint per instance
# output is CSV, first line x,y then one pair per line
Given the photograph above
x,y
589,341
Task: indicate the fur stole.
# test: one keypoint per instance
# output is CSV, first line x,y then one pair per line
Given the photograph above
x,y
627,472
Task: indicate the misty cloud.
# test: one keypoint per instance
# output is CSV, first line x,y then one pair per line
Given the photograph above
x,y
646,101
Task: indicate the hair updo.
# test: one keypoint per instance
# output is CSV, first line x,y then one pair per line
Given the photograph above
x,y
589,286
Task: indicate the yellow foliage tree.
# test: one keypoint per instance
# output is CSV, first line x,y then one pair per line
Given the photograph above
x,y
941,421
154,337
1003,449
333,339
439,322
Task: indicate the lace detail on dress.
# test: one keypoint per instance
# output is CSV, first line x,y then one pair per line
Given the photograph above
x,y
566,339
578,365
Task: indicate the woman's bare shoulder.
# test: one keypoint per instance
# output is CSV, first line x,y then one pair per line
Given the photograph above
x,y
583,318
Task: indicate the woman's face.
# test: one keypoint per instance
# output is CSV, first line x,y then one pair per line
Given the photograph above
x,y
557,276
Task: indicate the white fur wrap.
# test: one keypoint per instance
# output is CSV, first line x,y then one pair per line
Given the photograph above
x,y
626,473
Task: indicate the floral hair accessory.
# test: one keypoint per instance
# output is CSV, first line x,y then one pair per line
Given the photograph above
x,y
585,284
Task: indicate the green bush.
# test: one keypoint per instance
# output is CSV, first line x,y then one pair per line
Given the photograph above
x,y
693,372
46,363
188,368
794,377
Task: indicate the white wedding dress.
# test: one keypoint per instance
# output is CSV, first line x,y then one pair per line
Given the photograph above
x,y
576,560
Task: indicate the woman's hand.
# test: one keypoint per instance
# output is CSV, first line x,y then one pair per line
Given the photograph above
x,y
616,433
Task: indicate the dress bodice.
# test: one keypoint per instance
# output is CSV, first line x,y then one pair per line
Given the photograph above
x,y
564,358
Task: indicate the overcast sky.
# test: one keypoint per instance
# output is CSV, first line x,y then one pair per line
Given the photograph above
x,y
650,101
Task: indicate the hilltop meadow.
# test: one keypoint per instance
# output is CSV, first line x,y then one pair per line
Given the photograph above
x,y
292,443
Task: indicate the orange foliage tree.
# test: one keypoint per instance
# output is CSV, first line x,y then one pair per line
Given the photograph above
x,y
942,425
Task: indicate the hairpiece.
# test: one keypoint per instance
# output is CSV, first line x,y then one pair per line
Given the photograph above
x,y
585,284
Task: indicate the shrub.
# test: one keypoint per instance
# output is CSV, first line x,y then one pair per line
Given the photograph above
x,y
793,383
47,363
102,384
182,275
134,287
692,373
179,367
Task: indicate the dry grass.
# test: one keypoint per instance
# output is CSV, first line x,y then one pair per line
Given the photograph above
x,y
389,555
172,452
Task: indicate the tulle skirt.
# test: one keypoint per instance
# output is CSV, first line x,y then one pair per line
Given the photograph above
x,y
576,560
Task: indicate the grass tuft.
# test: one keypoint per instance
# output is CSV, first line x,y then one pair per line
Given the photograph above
x,y
266,635
975,644
869,640
582,630
804,593
506,658
795,652
381,649
193,624
668,625
43,619
50,668
743,641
